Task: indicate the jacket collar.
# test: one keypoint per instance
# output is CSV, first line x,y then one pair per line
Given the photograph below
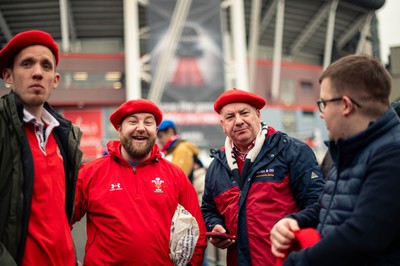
x,y
347,147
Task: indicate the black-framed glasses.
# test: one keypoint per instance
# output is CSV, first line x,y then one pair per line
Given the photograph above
x,y
322,103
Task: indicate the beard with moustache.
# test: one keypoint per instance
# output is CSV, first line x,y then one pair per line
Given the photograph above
x,y
140,151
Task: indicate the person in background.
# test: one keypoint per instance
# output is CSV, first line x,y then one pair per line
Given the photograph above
x,y
131,194
358,212
181,152
199,174
40,157
257,177
184,154
326,164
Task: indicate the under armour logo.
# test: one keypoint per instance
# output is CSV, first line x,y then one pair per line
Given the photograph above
x,y
115,187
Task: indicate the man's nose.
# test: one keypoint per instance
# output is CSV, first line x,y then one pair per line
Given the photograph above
x,y
238,120
37,71
140,126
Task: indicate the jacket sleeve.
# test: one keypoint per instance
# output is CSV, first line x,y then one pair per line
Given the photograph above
x,y
306,178
5,257
80,202
308,217
208,207
188,200
373,225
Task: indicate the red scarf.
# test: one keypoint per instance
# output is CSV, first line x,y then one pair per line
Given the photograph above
x,y
169,143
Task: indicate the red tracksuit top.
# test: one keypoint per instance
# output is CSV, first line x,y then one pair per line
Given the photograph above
x,y
129,209
49,240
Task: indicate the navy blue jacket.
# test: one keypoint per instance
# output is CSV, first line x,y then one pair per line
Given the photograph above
x,y
284,178
359,210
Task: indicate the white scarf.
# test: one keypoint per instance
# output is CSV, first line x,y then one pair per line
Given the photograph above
x,y
252,155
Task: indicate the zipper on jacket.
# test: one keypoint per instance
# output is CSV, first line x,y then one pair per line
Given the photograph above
x,y
136,182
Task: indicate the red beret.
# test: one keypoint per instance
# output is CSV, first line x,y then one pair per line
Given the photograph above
x,y
135,106
238,96
23,40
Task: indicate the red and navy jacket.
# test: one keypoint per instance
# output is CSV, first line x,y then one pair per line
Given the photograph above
x,y
284,178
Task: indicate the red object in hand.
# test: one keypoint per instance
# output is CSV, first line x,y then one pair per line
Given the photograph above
x,y
305,238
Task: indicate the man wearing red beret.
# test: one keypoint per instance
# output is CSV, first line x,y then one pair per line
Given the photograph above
x,y
258,176
131,194
40,157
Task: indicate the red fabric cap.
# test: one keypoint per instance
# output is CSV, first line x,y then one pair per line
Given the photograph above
x,y
238,96
23,40
135,106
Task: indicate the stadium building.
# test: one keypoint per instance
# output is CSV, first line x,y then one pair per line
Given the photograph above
x,y
182,54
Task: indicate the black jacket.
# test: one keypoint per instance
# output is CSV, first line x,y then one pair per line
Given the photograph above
x,y
16,174
359,210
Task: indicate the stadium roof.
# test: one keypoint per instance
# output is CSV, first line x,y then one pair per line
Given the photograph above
x,y
305,22
309,31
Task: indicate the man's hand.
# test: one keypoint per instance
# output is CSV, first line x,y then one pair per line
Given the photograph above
x,y
221,243
282,236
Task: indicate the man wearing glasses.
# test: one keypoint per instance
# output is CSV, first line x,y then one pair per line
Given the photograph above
x,y
358,211
322,103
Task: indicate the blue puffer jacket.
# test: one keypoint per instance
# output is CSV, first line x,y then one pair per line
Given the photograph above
x,y
284,178
359,210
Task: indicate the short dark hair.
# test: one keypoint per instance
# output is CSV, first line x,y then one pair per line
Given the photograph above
x,y
361,76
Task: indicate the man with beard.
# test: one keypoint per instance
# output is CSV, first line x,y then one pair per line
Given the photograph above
x,y
131,194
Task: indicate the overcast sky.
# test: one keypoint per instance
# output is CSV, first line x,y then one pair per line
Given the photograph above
x,y
389,27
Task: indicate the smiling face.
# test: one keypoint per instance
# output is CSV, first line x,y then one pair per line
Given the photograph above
x,y
137,133
241,123
33,76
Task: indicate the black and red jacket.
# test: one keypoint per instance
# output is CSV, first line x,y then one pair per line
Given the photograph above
x,y
284,178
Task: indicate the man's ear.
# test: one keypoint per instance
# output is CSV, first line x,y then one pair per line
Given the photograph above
x,y
56,80
7,76
348,106
222,125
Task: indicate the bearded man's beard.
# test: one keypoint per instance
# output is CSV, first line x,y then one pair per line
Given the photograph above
x,y
137,151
